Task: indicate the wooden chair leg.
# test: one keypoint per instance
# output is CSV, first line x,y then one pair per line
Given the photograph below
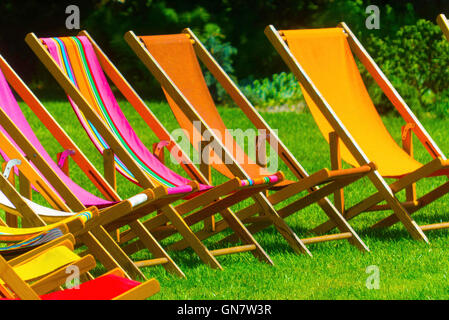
x,y
205,168
261,153
10,219
158,151
110,176
155,248
407,145
109,168
25,191
113,256
334,144
184,230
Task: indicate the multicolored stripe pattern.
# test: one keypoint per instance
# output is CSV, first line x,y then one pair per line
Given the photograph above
x,y
76,57
8,234
33,241
263,180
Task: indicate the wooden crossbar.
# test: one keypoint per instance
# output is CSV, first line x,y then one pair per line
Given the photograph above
x,y
328,237
231,250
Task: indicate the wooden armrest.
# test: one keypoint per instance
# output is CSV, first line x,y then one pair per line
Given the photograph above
x,y
62,158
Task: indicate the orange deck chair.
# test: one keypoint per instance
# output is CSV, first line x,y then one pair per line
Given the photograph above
x,y
322,61
444,25
88,89
172,59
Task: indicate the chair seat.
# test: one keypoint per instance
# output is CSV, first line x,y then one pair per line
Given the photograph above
x,y
103,288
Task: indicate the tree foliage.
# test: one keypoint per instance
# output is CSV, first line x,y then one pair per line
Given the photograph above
x,y
409,49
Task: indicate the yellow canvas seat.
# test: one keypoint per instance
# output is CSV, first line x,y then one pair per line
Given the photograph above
x,y
328,61
38,273
323,62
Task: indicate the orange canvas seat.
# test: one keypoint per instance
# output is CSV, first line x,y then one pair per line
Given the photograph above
x,y
173,60
176,56
81,68
323,62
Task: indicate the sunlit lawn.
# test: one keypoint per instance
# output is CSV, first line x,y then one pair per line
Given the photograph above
x,y
408,269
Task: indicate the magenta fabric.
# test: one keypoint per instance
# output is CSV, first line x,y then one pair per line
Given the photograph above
x,y
181,189
9,104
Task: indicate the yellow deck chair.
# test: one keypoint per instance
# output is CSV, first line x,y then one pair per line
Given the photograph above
x,y
173,60
322,61
36,274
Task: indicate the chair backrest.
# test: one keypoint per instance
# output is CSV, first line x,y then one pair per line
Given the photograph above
x,y
76,56
9,105
176,56
326,57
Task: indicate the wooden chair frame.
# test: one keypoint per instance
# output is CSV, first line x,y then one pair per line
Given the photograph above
x,y
32,291
169,213
444,25
96,232
120,214
112,255
402,211
262,201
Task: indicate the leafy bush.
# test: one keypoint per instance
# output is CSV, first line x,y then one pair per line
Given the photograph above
x,y
416,60
441,105
281,91
223,52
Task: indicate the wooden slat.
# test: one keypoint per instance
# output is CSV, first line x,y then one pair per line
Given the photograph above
x,y
109,168
151,262
334,144
328,237
444,25
11,219
435,226
238,249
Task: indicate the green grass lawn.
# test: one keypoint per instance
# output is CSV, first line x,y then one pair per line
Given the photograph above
x,y
408,269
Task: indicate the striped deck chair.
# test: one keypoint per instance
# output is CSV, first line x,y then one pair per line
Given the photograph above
x,y
81,224
42,172
444,25
38,273
322,60
74,63
21,240
172,60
